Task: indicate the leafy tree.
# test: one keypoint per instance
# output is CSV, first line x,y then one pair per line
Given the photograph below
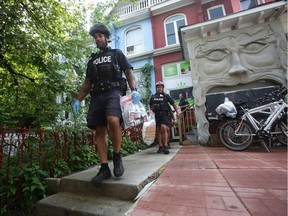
x,y
41,45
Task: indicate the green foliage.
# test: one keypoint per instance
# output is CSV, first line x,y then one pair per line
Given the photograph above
x,y
61,168
33,185
129,147
41,43
146,83
31,179
83,157
8,189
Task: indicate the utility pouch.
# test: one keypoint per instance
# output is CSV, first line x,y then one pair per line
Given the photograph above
x,y
124,86
104,86
101,87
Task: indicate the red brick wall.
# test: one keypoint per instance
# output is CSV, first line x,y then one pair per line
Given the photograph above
x,y
193,15
190,12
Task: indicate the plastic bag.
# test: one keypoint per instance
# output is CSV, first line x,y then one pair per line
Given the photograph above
x,y
227,108
149,130
133,114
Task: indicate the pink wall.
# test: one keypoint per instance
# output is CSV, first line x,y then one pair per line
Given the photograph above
x,y
193,15
158,23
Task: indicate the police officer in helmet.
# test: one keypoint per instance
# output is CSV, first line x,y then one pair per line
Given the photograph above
x,y
104,79
159,104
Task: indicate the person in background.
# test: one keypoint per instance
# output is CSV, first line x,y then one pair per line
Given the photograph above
x,y
183,103
171,116
159,104
106,84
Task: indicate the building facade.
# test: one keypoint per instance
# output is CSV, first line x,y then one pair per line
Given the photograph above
x,y
152,31
147,31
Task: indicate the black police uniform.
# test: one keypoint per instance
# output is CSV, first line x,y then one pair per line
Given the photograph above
x,y
183,104
159,105
104,71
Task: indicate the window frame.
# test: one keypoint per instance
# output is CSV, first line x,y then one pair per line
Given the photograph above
x,y
175,27
134,28
216,7
258,2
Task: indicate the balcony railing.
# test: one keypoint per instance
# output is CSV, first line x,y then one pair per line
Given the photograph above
x,y
137,6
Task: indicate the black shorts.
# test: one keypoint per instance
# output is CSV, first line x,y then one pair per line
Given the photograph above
x,y
162,117
103,105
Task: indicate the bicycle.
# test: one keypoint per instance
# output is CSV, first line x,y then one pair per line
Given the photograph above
x,y
238,134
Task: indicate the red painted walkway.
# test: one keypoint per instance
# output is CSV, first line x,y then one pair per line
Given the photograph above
x,y
208,181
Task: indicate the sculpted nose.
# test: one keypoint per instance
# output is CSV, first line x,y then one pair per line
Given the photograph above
x,y
237,67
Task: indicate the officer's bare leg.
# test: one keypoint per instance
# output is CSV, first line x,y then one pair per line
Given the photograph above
x,y
159,136
115,132
164,132
102,143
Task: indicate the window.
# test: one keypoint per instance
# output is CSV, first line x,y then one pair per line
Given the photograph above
x,y
177,75
172,25
216,12
134,41
246,4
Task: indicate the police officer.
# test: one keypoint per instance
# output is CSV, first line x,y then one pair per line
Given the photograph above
x,y
159,104
104,80
183,103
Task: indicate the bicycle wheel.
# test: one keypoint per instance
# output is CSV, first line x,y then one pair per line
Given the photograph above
x,y
227,136
280,131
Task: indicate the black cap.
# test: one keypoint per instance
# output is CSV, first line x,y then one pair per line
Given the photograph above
x,y
99,28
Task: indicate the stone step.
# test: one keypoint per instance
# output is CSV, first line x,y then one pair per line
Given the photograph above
x,y
73,204
72,191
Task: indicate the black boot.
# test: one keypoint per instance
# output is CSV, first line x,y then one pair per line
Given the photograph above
x,y
118,165
104,173
166,150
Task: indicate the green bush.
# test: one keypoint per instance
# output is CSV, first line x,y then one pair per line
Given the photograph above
x,y
33,185
82,158
25,188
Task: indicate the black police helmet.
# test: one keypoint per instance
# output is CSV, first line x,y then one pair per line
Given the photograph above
x,y
99,28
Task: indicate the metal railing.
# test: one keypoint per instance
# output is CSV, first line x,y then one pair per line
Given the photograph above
x,y
186,124
137,6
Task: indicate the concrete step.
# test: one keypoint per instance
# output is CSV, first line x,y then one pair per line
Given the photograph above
x,y
73,191
73,204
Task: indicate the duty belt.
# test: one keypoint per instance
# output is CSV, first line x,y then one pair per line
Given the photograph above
x,y
102,87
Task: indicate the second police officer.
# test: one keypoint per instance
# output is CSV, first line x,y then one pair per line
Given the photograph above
x,y
159,104
104,79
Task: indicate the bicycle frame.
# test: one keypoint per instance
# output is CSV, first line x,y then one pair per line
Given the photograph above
x,y
273,109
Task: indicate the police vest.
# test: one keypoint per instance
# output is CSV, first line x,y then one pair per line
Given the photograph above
x,y
159,102
104,66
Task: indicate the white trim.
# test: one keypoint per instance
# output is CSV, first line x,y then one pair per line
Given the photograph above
x,y
259,2
175,28
125,41
215,7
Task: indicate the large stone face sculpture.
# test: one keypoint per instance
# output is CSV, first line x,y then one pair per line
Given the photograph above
x,y
234,58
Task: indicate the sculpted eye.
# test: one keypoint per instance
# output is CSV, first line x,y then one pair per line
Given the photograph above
x,y
216,55
254,47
